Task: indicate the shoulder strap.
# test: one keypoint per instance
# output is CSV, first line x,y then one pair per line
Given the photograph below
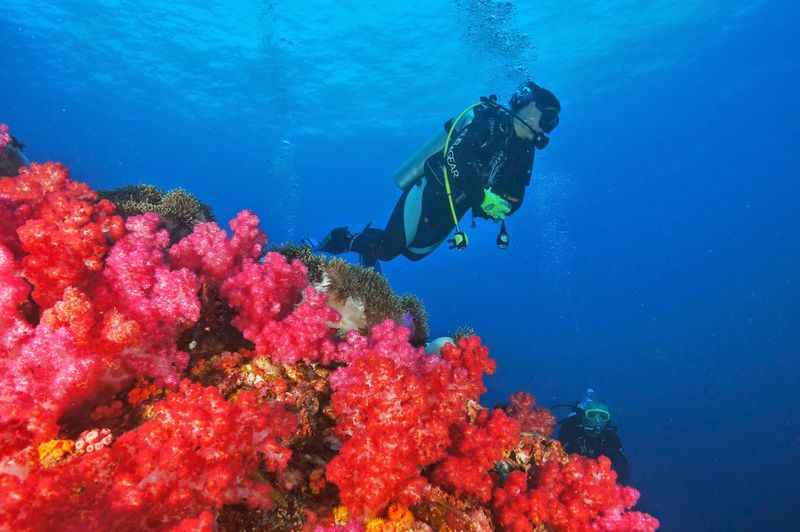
x,y
487,110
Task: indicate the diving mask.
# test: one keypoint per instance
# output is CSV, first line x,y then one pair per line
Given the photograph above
x,y
549,119
595,418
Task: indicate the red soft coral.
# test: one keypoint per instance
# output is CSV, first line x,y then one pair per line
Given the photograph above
x,y
66,231
196,454
12,215
579,496
394,413
532,418
378,416
476,448
45,371
202,523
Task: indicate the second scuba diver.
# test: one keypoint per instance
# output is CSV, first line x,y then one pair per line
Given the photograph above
x,y
483,162
588,431
11,157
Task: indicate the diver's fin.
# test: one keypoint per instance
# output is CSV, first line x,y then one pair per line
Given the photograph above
x,y
355,236
367,259
339,240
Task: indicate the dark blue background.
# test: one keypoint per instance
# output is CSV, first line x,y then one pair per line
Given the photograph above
x,y
672,289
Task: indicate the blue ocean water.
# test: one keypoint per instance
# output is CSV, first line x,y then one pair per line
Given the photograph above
x,y
656,257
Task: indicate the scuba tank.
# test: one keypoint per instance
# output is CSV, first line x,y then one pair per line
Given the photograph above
x,y
412,170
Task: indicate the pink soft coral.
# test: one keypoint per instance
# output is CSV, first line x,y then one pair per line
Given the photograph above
x,y
157,301
277,310
305,334
209,252
13,293
39,381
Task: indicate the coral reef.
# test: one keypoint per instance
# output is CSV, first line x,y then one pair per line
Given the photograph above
x,y
362,296
179,210
462,332
149,382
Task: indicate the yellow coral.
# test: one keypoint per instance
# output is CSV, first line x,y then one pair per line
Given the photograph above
x,y
252,376
341,515
382,525
53,451
265,364
298,372
148,412
376,525
400,514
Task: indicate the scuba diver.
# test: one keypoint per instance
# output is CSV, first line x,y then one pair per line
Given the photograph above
x,y
588,431
12,158
488,150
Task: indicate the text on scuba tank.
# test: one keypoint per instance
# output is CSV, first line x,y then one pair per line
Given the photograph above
x,y
451,158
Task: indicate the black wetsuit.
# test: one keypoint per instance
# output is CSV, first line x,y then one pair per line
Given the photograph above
x,y
486,153
12,159
576,439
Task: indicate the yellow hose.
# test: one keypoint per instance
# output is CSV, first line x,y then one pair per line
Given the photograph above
x,y
444,156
